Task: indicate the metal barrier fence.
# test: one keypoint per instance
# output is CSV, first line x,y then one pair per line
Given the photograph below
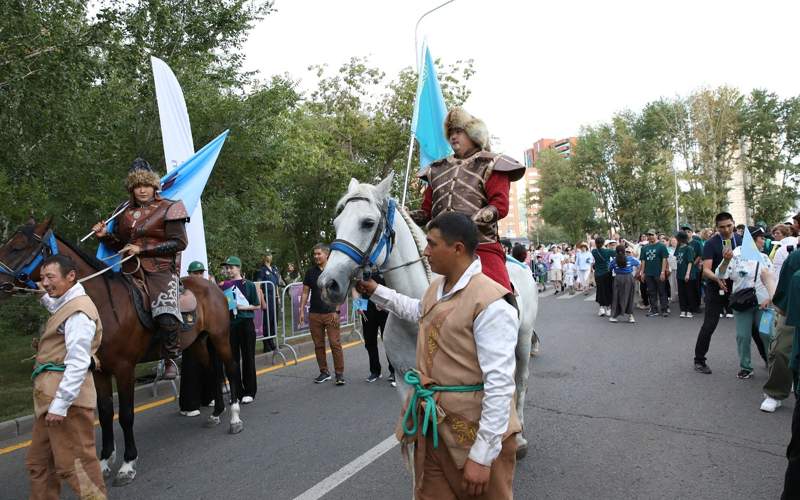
x,y
290,297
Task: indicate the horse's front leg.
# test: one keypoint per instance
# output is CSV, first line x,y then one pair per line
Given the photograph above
x,y
125,386
105,412
523,355
222,348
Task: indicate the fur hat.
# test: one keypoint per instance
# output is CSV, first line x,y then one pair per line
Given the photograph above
x,y
141,173
474,127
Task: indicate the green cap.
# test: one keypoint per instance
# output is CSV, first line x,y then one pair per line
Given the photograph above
x,y
196,266
233,261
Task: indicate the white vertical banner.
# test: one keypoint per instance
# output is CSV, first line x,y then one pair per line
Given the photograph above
x,y
178,147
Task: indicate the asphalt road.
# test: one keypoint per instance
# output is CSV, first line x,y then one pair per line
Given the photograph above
x,y
614,411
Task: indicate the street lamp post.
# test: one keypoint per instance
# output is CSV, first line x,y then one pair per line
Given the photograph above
x,y
677,218
416,54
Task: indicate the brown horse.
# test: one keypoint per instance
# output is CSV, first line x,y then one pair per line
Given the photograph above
x,y
126,341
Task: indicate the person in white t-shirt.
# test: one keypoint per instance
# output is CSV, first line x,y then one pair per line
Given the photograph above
x,y
583,262
557,268
570,273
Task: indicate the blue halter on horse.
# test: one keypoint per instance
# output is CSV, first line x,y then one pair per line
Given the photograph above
x,y
23,275
382,240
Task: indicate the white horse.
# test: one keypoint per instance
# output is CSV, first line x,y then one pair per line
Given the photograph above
x,y
365,227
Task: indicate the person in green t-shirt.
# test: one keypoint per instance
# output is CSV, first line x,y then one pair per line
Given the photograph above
x,y
654,272
602,276
686,274
243,331
697,245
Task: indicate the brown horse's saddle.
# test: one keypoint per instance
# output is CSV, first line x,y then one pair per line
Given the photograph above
x,y
187,303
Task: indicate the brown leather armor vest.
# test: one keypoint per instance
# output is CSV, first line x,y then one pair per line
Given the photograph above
x,y
458,185
145,227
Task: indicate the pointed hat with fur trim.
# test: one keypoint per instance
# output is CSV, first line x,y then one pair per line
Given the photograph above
x,y
474,127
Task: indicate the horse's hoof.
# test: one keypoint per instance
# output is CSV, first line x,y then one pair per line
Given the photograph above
x,y
107,463
126,474
236,428
211,422
123,480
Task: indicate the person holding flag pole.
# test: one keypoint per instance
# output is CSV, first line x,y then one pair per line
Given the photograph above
x,y
154,229
151,225
753,278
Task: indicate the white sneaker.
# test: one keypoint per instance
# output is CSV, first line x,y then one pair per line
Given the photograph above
x,y
770,405
683,314
689,315
195,413
602,311
729,315
247,400
631,319
613,320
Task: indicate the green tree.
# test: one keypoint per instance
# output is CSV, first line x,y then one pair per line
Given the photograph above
x,y
770,131
572,209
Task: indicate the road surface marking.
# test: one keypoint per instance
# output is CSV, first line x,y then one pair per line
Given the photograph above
x,y
589,298
162,402
321,488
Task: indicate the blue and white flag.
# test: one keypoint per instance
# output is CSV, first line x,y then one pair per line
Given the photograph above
x,y
429,114
749,250
185,183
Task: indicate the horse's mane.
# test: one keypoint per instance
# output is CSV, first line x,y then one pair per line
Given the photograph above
x,y
94,262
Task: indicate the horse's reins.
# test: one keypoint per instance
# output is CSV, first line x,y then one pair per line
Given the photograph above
x,y
47,247
383,238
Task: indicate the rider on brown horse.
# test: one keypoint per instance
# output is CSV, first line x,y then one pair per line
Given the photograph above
x,y
153,228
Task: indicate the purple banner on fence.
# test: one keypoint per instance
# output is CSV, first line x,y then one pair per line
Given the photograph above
x,y
258,320
296,292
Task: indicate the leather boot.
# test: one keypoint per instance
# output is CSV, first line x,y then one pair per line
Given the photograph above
x,y
168,327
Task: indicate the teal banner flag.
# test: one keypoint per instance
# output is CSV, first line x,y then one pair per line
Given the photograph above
x,y
429,114
185,183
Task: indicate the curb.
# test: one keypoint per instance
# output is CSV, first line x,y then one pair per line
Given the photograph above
x,y
21,426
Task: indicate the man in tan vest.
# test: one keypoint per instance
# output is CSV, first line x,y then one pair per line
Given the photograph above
x,y
460,413
64,399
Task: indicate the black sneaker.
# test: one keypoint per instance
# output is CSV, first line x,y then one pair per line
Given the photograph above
x,y
652,314
666,314
702,368
392,380
322,377
339,379
373,377
744,374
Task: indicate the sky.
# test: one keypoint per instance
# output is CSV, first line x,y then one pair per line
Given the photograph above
x,y
544,69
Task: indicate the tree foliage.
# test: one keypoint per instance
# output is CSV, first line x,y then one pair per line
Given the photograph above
x,y
77,105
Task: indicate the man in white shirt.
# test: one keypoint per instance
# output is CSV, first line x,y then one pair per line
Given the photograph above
x,y
465,367
64,399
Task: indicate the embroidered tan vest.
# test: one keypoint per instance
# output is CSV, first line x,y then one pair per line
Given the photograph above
x,y
53,348
447,355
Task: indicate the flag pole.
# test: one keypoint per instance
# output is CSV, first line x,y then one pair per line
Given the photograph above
x,y
416,53
408,168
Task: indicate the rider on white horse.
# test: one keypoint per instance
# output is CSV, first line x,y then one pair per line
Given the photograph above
x,y
463,384
475,182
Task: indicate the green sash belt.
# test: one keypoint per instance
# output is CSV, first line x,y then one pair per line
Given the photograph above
x,y
425,394
47,367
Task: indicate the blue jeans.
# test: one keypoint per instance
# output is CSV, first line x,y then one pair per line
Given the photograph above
x,y
746,321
